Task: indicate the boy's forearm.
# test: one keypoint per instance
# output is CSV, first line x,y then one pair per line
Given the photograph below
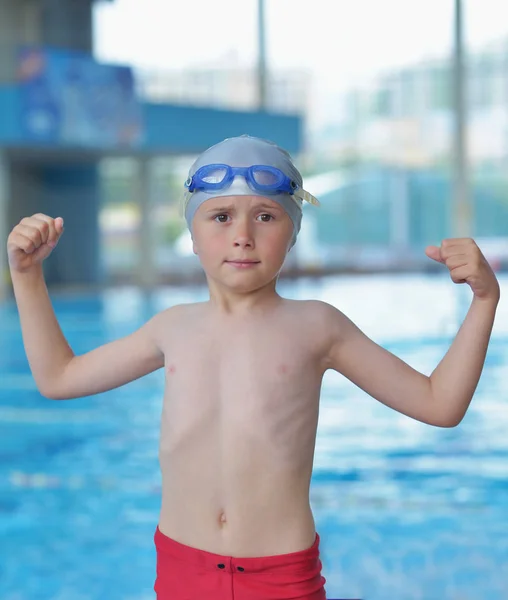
x,y
46,348
455,379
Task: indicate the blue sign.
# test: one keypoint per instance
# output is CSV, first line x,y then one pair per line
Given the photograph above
x,y
68,98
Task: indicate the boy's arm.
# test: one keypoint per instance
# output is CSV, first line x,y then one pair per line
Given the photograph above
x,y
443,398
58,373
455,379
380,373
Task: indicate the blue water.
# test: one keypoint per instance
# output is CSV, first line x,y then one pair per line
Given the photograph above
x,y
404,510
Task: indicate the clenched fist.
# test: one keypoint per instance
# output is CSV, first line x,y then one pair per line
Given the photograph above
x,y
467,264
33,240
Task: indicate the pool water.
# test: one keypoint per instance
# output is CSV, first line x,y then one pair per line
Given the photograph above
x,y
404,510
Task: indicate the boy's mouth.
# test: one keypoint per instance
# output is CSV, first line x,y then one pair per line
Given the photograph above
x,y
243,263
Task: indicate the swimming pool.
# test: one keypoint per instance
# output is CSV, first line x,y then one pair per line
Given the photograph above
x,y
404,510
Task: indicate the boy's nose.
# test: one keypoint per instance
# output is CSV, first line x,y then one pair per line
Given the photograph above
x,y
244,242
243,236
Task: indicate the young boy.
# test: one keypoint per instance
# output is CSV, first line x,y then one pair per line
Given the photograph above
x,y
243,372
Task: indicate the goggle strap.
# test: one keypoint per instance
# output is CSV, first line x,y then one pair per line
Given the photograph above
x,y
184,200
308,197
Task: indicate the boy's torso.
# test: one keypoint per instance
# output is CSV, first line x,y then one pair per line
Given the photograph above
x,y
238,428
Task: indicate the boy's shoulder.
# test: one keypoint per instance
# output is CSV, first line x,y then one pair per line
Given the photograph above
x,y
316,308
316,313
171,321
176,312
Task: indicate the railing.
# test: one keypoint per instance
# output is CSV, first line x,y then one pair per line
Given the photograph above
x,y
287,91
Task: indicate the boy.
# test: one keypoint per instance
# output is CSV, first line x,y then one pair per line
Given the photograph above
x,y
243,372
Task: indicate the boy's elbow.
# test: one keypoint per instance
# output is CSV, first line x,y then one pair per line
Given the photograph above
x,y
50,394
442,412
448,421
57,386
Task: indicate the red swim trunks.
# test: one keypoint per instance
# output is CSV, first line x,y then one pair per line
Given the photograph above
x,y
185,573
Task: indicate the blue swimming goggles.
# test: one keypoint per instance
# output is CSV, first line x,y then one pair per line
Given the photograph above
x,y
263,179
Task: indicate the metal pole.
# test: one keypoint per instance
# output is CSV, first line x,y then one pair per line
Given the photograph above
x,y
146,275
4,224
261,68
462,206
463,210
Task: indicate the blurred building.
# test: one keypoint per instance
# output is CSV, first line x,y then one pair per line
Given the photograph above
x,y
62,114
404,117
391,142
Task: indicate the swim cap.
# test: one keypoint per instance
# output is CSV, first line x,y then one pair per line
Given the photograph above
x,y
245,151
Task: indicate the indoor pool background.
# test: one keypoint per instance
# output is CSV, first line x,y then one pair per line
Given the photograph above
x,y
404,510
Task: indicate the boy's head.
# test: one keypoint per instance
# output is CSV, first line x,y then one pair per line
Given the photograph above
x,y
244,203
280,181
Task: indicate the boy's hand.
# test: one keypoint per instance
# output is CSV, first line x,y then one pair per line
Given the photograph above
x,y
33,240
468,265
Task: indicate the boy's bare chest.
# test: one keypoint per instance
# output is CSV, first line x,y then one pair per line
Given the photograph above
x,y
249,373
240,358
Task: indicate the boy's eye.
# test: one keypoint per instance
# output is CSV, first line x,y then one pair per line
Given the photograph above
x,y
223,218
265,217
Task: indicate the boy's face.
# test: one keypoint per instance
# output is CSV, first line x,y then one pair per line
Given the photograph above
x,y
241,241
